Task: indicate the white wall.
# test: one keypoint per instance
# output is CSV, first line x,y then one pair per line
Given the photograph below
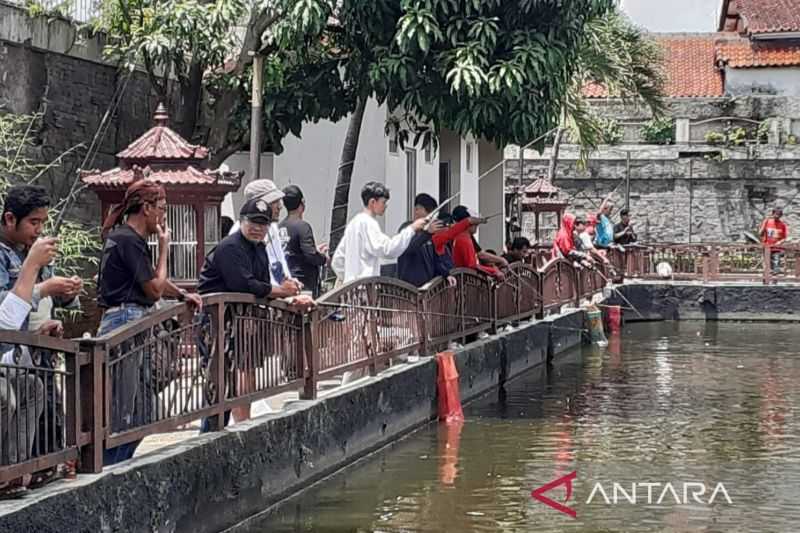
x,y
240,161
427,181
491,202
469,174
775,81
312,163
450,151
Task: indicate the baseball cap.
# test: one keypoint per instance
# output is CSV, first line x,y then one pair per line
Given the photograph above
x,y
444,217
256,210
264,190
292,197
461,212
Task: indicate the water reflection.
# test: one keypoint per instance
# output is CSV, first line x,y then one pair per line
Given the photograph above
x,y
665,402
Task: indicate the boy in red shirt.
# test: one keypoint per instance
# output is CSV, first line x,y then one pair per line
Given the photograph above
x,y
773,233
464,254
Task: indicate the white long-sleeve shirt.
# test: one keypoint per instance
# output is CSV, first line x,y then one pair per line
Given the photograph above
x,y
274,251
13,312
362,247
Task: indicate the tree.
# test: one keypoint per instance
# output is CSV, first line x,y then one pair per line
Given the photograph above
x,y
622,59
495,69
197,53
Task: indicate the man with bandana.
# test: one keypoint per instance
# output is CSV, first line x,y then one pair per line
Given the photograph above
x,y
128,288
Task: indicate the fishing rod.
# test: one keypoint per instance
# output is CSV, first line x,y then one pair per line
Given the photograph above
x,y
432,215
609,283
404,311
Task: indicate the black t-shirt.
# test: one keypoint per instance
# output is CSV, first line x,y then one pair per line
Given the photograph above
x,y
236,265
301,252
627,238
125,266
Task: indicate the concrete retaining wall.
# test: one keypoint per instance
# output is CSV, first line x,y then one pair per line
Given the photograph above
x,y
692,301
216,480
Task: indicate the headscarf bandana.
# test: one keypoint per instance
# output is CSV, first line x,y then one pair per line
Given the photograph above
x,y
141,192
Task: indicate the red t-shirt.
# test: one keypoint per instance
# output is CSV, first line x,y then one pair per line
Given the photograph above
x,y
774,231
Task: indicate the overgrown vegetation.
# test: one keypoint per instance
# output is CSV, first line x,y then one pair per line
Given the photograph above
x,y
611,131
659,130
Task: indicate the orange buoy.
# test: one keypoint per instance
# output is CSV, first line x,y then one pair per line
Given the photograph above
x,y
447,387
614,318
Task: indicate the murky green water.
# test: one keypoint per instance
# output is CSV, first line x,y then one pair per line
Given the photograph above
x,y
669,403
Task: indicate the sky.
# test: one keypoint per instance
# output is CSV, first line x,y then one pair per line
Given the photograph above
x,y
674,15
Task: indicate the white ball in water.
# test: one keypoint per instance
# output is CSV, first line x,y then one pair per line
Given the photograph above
x,y
664,270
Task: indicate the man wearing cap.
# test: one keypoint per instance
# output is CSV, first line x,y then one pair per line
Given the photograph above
x,y
302,254
363,244
128,288
426,257
279,269
239,263
464,253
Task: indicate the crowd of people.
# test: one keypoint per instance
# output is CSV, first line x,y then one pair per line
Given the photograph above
x,y
262,255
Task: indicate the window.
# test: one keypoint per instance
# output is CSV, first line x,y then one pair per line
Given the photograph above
x,y
393,144
429,153
411,180
469,157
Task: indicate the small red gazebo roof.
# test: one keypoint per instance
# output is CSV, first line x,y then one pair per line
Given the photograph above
x,y
541,195
163,156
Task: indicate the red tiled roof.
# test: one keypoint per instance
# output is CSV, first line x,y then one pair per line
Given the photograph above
x,y
161,143
763,16
746,54
689,61
123,177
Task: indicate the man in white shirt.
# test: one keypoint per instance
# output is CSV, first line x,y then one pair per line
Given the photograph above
x,y
364,245
21,396
279,269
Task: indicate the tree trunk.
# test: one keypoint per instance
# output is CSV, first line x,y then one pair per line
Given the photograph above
x,y
551,171
192,93
341,196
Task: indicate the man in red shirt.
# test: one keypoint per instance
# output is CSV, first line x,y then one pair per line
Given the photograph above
x,y
773,233
464,253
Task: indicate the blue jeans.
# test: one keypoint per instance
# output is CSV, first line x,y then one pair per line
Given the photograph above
x,y
126,388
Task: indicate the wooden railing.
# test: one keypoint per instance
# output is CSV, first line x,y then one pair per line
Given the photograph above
x,y
172,367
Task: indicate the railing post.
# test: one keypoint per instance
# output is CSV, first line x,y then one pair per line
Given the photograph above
x,y
216,421
493,296
372,328
767,265
310,356
91,401
422,324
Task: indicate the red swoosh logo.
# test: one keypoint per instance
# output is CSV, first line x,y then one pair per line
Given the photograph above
x,y
538,494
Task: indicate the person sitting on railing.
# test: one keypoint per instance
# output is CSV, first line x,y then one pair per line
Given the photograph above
x,y
21,394
623,232
128,288
364,245
304,257
464,253
427,257
773,233
240,263
564,243
267,191
518,250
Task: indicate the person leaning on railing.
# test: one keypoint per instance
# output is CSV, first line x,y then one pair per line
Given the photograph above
x,y
128,288
564,244
240,263
21,394
464,253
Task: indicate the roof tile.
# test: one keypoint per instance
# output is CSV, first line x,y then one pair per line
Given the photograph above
x,y
769,16
745,54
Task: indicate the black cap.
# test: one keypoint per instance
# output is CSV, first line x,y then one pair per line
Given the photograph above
x,y
293,197
256,210
444,217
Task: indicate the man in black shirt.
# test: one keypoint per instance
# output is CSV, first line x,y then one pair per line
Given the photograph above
x,y
305,259
127,289
518,251
240,264
623,232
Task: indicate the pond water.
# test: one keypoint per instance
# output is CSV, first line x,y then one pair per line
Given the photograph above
x,y
687,405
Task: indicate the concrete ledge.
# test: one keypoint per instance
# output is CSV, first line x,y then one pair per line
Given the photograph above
x,y
216,480
717,301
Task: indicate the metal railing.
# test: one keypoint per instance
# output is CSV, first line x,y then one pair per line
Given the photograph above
x,y
63,400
